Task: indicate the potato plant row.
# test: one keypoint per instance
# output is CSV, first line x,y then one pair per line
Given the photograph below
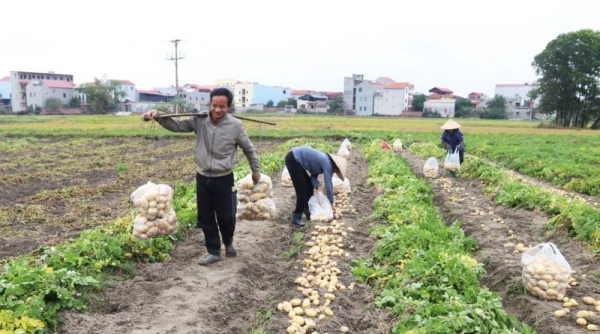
x,y
423,269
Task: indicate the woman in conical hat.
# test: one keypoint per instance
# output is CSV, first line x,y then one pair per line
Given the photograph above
x,y
452,138
303,159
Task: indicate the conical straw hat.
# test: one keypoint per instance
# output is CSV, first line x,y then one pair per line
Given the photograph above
x,y
450,125
340,163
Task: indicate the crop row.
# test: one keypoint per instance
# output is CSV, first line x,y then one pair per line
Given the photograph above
x,y
422,268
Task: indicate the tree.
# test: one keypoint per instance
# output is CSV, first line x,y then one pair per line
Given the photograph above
x,y
493,114
418,101
53,103
462,104
281,104
74,102
498,103
569,84
336,104
270,104
292,101
102,97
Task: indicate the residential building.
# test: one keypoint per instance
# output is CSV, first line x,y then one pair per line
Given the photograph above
x,y
479,100
19,81
129,88
5,91
39,91
166,90
153,96
518,103
226,83
296,93
313,103
383,96
199,99
441,100
393,99
251,93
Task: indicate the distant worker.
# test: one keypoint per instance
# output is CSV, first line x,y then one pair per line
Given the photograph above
x,y
452,138
303,159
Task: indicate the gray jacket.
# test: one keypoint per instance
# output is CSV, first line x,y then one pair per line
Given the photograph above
x,y
216,144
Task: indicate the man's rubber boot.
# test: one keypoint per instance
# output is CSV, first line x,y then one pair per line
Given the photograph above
x,y
307,213
230,251
210,258
297,219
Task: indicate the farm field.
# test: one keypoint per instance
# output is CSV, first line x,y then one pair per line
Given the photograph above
x,y
418,250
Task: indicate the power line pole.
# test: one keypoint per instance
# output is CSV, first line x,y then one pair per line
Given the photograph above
x,y
176,57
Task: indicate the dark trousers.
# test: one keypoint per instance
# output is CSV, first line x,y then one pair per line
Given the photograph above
x,y
217,201
302,183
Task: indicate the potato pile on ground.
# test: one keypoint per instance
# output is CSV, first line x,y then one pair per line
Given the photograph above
x,y
339,186
342,205
320,280
255,200
583,317
155,215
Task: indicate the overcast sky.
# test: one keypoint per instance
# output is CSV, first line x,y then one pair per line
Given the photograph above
x,y
463,45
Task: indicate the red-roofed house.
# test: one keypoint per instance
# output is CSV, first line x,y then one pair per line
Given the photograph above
x,y
38,91
20,80
129,88
385,80
296,93
393,99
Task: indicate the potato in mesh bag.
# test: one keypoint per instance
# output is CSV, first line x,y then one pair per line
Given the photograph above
x,y
546,272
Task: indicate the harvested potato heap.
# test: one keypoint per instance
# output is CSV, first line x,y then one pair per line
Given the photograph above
x,y
339,186
584,318
342,205
430,169
397,146
452,162
155,215
286,179
255,200
319,281
546,273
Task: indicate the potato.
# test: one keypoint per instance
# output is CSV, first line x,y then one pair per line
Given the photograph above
x,y
560,313
344,329
296,302
592,327
588,300
581,322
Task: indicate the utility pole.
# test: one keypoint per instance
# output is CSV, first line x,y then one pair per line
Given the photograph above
x,y
176,57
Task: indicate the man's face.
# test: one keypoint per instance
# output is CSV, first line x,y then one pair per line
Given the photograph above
x,y
218,106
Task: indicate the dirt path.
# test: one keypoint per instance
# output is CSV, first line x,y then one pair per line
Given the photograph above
x,y
498,230
234,296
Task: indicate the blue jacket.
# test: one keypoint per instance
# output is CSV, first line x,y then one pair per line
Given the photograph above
x,y
453,139
316,162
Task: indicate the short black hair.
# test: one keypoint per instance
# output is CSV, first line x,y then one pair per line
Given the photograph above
x,y
222,91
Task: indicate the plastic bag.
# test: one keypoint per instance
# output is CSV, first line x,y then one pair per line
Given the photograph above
x,y
347,144
397,145
452,161
153,203
343,152
546,272
286,179
255,200
339,186
430,169
320,208
385,145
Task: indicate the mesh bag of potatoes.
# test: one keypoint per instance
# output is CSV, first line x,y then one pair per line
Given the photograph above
x,y
339,186
155,214
546,272
430,169
255,201
286,179
397,145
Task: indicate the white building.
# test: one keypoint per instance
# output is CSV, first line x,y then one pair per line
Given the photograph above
x,y
19,81
444,107
516,95
250,93
382,96
129,88
394,99
38,91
